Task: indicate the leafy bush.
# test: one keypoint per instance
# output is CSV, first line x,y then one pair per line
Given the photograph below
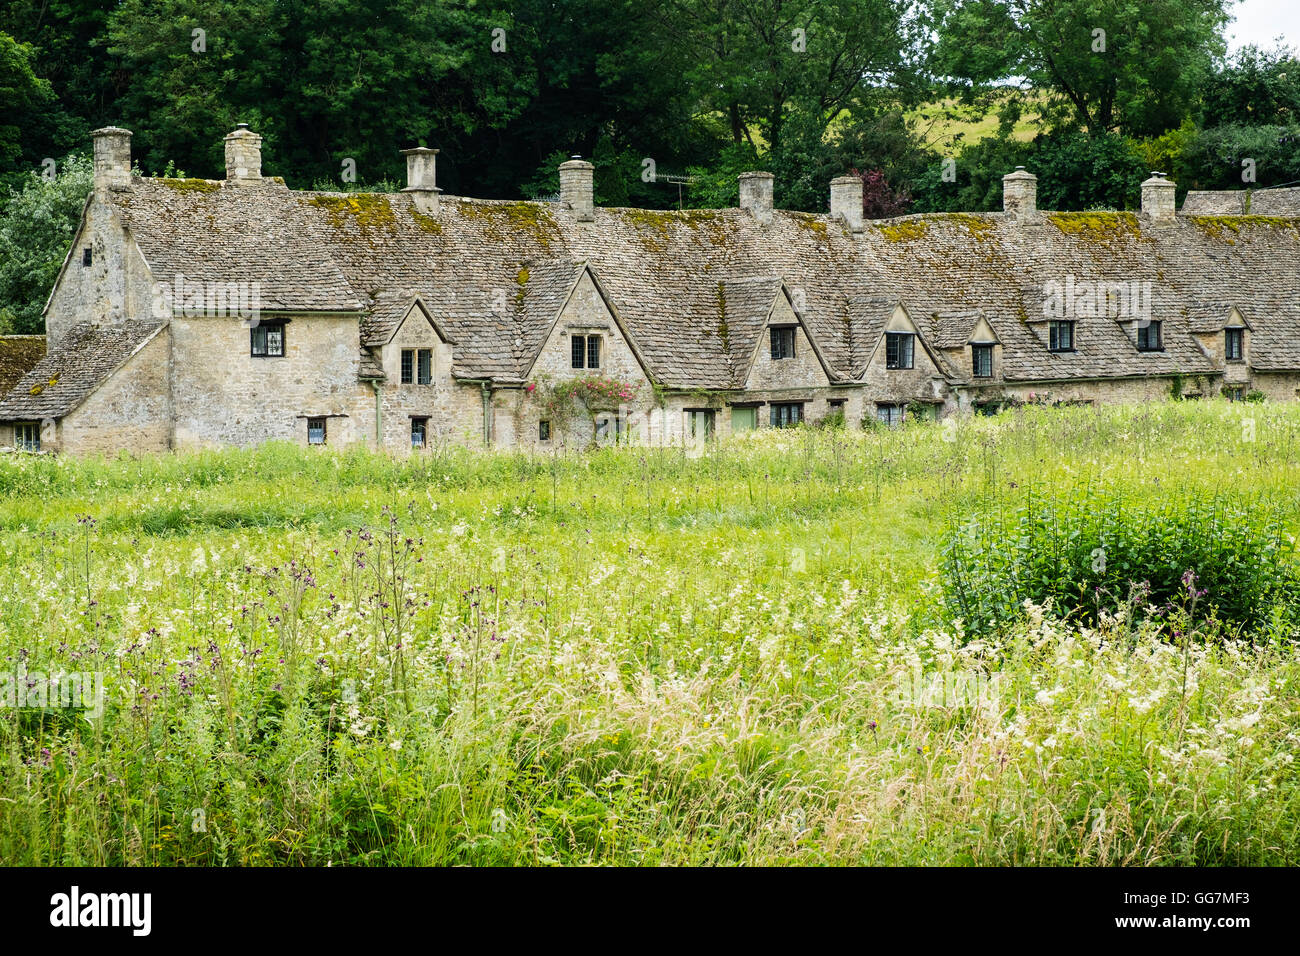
x,y
1087,552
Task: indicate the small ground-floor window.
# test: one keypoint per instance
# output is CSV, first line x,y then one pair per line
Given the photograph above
x,y
1234,393
544,430
27,436
891,415
786,414
316,431
419,432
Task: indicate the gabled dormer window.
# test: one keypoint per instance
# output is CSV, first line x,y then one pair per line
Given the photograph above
x,y
981,360
898,349
1060,336
1232,345
782,342
584,351
1149,338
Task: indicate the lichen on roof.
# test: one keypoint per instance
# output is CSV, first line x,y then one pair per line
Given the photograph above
x,y
1218,227
654,226
905,230
426,223
1097,225
191,185
367,210
504,219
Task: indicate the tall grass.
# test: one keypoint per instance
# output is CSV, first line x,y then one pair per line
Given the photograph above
x,y
635,656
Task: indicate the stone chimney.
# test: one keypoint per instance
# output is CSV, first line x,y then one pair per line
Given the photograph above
x,y
422,178
846,201
1158,198
756,195
243,155
1020,194
576,188
112,158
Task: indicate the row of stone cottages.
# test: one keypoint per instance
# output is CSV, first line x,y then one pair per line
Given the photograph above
x,y
193,313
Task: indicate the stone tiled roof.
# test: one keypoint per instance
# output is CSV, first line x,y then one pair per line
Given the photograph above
x,y
85,356
18,356
494,273
1238,202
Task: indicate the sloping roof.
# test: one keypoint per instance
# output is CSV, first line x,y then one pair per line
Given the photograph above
x,y
18,356
86,355
1239,202
495,273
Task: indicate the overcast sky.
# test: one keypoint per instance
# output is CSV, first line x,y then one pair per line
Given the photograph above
x,y
1262,21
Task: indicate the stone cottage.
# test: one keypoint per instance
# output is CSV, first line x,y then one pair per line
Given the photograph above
x,y
195,313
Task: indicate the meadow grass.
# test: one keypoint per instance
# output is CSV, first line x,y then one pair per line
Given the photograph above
x,y
637,656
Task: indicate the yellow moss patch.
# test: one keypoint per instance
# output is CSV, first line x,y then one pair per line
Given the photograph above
x,y
905,231
426,223
1224,227
367,210
1097,226
503,220
655,225
980,227
810,223
192,185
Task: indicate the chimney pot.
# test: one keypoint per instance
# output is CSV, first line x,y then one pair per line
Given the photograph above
x,y
422,178
1020,194
1158,198
112,158
756,194
846,201
243,155
577,178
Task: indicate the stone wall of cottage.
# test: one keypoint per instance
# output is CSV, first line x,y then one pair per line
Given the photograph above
x,y
131,409
1277,386
585,313
1113,391
222,395
454,409
115,286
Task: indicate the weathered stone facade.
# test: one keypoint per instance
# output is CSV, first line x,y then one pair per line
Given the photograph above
x,y
202,313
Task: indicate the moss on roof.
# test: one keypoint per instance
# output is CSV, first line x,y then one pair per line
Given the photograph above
x,y
1097,226
905,230
192,185
503,219
1225,227
367,210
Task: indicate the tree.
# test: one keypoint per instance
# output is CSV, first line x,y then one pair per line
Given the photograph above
x,y
1133,66
1257,88
22,95
37,223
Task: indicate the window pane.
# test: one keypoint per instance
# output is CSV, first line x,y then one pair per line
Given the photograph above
x,y
426,366
543,430
257,335
275,340
408,366
905,354
593,351
315,431
578,354
417,432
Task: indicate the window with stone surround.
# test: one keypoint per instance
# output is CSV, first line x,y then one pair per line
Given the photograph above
x,y
27,436
544,430
782,342
890,414
316,431
899,349
1232,344
981,361
1060,336
786,414
266,340
417,366
419,432
1149,338
584,351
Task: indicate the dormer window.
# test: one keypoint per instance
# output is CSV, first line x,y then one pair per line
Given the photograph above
x,y
981,360
898,349
782,342
1232,345
417,366
1060,336
1149,338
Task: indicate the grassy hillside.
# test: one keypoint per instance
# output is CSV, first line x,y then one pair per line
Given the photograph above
x,y
641,657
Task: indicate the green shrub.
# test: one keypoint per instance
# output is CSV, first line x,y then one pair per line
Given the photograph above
x,y
1087,551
